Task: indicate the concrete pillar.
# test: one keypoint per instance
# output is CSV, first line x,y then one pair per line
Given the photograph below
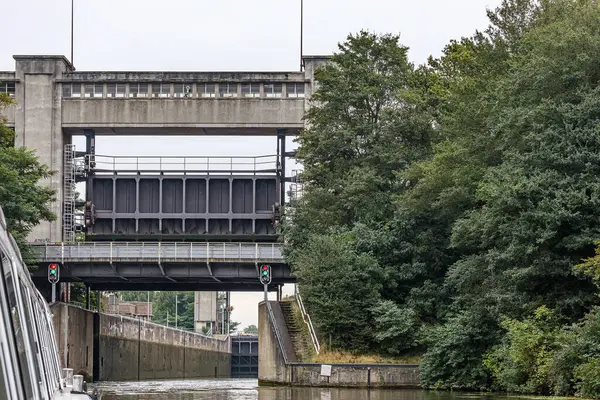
x,y
205,309
38,125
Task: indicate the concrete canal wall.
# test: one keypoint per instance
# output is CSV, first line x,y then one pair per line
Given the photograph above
x,y
274,370
115,348
74,330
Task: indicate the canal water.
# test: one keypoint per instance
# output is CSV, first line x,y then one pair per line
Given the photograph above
x,y
247,389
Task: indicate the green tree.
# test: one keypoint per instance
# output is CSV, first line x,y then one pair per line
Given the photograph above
x,y
233,326
340,287
461,203
533,209
79,292
522,362
163,304
371,117
24,201
251,329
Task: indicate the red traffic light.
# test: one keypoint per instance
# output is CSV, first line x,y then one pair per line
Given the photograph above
x,y
265,267
53,273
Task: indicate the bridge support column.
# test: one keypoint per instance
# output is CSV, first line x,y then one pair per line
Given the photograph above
x,y
38,126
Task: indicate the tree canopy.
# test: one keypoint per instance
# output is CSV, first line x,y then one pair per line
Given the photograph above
x,y
251,329
451,209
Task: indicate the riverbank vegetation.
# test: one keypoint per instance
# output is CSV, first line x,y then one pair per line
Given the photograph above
x,y
452,209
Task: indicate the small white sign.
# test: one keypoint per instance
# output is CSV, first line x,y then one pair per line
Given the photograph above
x,y
325,370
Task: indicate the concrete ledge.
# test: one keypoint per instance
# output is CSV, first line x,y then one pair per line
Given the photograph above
x,y
273,369
356,375
350,376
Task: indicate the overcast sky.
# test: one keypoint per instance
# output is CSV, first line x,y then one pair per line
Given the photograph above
x,y
225,35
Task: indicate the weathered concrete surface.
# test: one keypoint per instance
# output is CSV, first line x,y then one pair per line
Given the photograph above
x,y
74,328
131,349
38,126
195,115
355,375
182,116
272,367
273,370
44,121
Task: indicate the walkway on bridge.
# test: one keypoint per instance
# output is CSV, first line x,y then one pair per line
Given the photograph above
x,y
164,265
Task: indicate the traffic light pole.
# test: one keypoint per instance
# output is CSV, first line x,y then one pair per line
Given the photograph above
x,y
265,277
266,297
53,278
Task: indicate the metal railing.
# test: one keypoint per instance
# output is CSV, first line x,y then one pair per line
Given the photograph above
x,y
308,322
158,251
213,164
276,331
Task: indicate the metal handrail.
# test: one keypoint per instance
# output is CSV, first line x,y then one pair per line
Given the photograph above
x,y
210,164
179,251
308,322
276,330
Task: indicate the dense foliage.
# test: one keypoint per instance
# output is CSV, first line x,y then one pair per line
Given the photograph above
x,y
451,209
24,201
251,330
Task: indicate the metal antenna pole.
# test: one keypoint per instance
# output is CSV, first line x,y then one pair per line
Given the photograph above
x,y
72,24
301,32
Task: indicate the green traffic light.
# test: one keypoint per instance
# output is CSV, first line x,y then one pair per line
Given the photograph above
x,y
265,273
52,272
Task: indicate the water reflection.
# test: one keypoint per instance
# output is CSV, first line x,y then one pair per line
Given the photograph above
x,y
246,389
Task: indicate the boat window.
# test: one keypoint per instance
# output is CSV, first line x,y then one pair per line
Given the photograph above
x,y
12,383
6,373
17,326
29,322
43,336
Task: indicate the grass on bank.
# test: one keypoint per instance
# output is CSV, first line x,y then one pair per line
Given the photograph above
x,y
344,357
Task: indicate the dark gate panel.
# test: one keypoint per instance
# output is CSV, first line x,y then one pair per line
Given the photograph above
x,y
244,356
242,196
183,207
125,196
149,195
218,196
172,196
195,196
265,194
103,194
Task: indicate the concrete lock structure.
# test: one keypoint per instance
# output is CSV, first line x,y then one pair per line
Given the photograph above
x,y
53,102
134,205
108,347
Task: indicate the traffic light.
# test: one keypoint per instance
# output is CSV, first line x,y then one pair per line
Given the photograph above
x,y
53,274
265,274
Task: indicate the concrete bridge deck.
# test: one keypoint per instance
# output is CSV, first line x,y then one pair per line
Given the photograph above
x,y
164,266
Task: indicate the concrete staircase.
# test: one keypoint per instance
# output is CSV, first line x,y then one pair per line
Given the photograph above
x,y
296,330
